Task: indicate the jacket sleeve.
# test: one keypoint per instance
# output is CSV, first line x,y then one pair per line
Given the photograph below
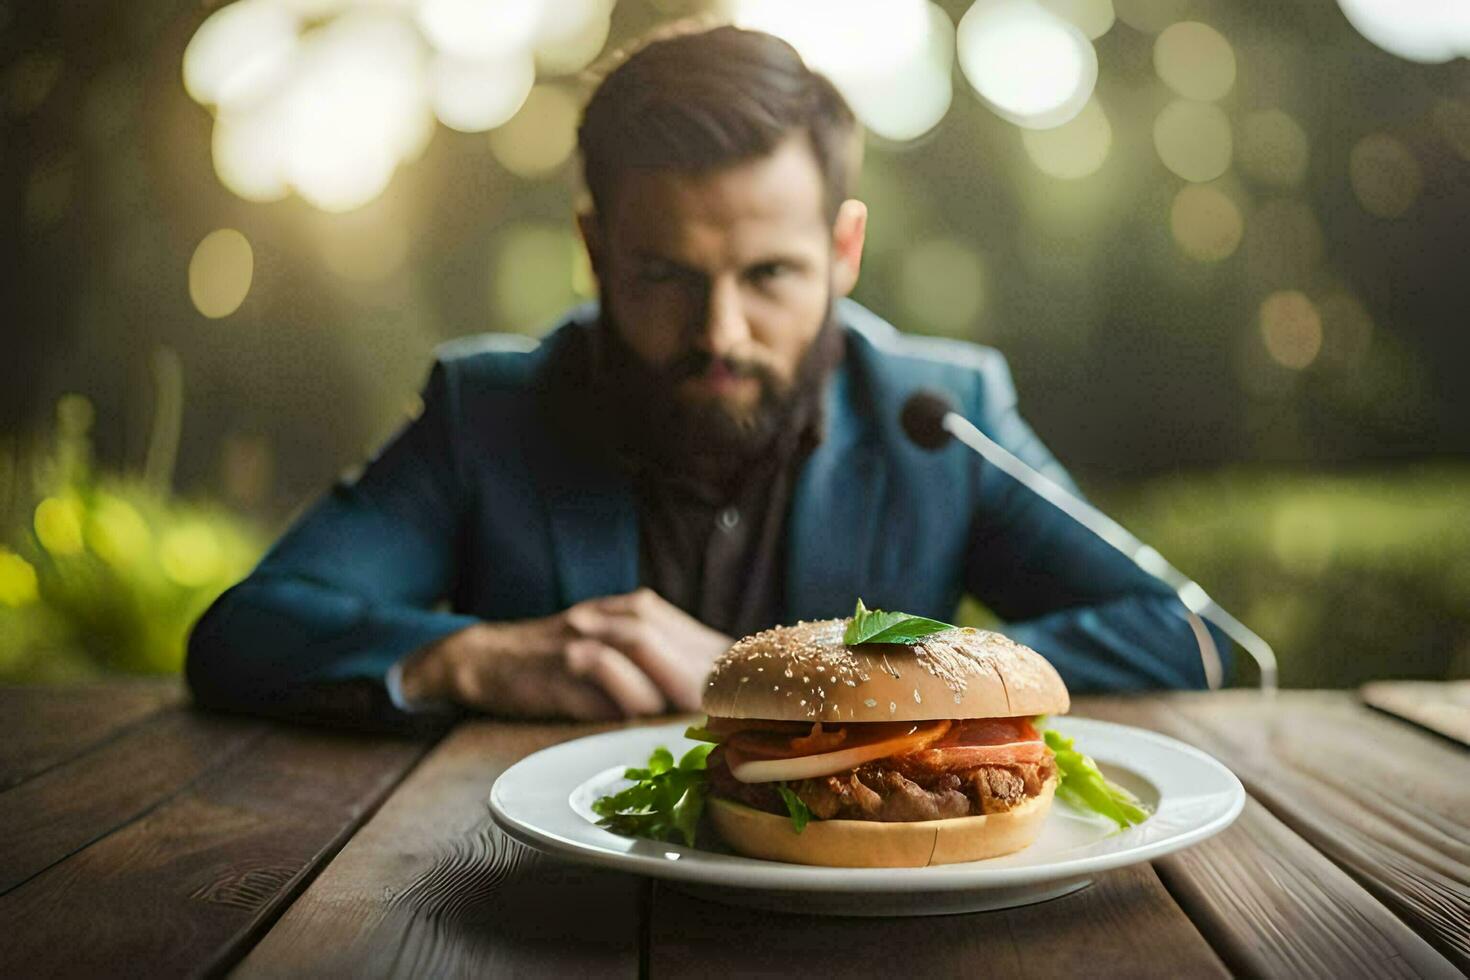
x,y
1104,623
348,591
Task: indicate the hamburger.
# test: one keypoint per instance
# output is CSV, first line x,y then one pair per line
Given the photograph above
x,y
879,754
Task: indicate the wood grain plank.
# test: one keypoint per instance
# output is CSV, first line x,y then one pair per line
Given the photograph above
x,y
1272,906
1125,924
429,887
1387,803
46,725
52,815
186,888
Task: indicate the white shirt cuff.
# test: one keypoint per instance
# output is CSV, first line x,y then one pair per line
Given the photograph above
x,y
394,682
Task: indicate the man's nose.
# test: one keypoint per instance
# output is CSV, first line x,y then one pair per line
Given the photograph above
x,y
723,327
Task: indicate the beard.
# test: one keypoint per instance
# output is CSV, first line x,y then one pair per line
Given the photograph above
x,y
706,436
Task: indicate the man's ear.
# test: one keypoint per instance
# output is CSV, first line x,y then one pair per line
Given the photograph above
x,y
848,233
591,231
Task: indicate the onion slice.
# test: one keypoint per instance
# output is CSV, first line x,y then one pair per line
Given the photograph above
x,y
749,770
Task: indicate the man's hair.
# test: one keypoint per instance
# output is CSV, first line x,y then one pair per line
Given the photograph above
x,y
702,100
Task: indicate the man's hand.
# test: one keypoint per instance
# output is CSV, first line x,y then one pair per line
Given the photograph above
x,y
617,656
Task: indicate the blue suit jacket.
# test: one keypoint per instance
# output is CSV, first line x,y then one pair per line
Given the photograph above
x,y
476,511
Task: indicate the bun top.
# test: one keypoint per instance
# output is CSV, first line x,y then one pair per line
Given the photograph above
x,y
806,673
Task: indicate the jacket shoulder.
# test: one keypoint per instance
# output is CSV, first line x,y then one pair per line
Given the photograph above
x,y
971,373
489,360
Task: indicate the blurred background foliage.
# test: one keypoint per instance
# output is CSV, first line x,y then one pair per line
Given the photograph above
x,y
102,572
1231,285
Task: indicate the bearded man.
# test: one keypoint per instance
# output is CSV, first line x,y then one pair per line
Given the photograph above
x,y
577,527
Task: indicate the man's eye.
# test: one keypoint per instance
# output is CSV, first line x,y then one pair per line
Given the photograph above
x,y
767,271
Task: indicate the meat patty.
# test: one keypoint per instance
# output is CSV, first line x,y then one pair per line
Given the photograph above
x,y
893,789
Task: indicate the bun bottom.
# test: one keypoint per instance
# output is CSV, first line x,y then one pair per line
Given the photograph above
x,y
874,844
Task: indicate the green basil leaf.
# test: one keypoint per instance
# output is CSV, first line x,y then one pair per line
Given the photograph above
x,y
662,760
798,810
877,626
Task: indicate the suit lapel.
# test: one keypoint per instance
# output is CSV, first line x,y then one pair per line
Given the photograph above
x,y
594,533
589,502
835,514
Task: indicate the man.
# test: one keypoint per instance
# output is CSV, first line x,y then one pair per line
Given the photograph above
x,y
578,528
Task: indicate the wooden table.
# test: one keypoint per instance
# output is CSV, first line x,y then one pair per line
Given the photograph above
x,y
140,837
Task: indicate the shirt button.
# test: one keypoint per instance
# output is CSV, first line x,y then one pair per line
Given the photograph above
x,y
729,517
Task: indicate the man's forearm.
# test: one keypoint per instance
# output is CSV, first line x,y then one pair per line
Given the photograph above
x,y
270,638
1139,642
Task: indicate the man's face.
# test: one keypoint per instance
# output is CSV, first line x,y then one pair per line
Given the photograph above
x,y
719,281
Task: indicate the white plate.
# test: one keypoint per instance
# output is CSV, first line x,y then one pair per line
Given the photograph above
x,y
545,800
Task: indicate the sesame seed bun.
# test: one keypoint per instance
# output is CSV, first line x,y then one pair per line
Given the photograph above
x,y
806,673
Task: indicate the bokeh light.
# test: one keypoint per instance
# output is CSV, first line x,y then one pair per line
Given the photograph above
x,y
1073,150
116,532
355,109
891,59
220,273
1205,223
1385,175
1152,16
240,53
1420,30
541,137
1092,17
58,524
476,30
1272,148
1193,139
1195,61
191,554
1028,65
910,100
19,585
571,35
329,98
1291,329
249,150
473,96
943,286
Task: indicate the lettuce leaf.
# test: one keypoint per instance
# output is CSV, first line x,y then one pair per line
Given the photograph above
x,y
665,801
699,733
1084,786
800,814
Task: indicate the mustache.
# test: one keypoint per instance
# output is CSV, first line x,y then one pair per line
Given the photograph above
x,y
694,363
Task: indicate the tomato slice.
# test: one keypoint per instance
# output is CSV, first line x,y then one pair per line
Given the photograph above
x,y
899,739
814,738
984,742
989,731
